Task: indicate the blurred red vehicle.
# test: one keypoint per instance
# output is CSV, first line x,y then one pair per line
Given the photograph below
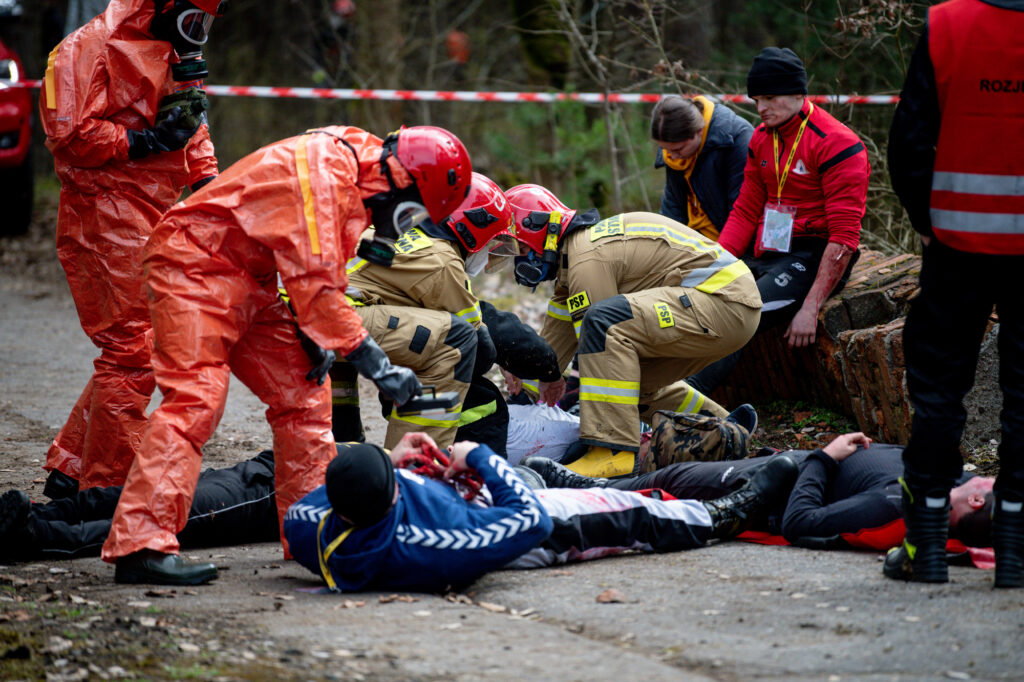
x,y
15,137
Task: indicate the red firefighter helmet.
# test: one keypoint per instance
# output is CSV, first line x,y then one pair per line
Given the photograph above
x,y
214,7
439,164
485,215
533,207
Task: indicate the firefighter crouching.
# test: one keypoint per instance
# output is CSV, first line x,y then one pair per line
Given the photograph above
x,y
645,300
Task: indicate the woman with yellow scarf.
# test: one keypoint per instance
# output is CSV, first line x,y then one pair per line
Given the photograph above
x,y
703,147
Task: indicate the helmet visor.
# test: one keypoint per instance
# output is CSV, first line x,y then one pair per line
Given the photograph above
x,y
194,25
500,252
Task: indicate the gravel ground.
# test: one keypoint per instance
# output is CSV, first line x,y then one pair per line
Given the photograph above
x,y
728,612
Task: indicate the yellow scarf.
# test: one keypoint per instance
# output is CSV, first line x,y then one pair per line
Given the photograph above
x,y
697,219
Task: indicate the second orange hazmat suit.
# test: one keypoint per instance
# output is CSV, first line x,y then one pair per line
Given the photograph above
x,y
292,209
101,81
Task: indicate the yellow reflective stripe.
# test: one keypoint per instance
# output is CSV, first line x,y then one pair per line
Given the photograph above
x,y
477,413
449,419
49,79
329,550
355,303
725,276
354,264
532,384
344,393
692,403
673,235
610,391
559,311
471,314
576,325
302,168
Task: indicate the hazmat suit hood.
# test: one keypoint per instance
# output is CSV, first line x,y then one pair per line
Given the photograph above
x,y
367,149
129,19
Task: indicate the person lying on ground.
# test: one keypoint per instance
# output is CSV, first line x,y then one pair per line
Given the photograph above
x,y
232,506
372,526
847,493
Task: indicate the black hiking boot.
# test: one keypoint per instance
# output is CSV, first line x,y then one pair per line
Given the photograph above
x,y
532,479
557,476
732,514
922,556
746,416
156,568
1008,542
59,485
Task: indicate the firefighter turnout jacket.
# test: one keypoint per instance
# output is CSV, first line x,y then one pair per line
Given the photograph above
x,y
646,301
423,313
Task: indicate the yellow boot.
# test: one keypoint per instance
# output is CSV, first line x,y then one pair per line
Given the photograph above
x,y
600,462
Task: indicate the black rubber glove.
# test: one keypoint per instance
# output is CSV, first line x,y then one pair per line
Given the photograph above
x,y
321,359
166,136
396,383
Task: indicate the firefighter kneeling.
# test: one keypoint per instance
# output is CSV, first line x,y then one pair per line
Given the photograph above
x,y
646,301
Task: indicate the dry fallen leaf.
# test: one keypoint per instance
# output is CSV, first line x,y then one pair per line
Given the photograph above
x,y
494,608
611,596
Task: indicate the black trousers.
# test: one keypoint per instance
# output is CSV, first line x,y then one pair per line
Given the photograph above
x,y
941,341
231,506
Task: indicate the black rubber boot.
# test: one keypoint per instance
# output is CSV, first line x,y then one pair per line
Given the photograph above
x,y
1008,542
732,514
557,476
59,485
922,556
14,537
156,568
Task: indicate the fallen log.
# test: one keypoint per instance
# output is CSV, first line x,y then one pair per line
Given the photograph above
x,y
856,367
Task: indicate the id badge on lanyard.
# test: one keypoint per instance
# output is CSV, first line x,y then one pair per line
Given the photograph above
x,y
777,233
778,227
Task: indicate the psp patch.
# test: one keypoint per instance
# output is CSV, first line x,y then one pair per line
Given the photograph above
x,y
578,302
664,315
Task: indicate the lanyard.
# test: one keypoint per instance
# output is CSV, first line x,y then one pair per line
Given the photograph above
x,y
792,152
324,555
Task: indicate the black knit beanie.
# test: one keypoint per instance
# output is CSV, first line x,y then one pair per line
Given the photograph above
x,y
777,71
360,484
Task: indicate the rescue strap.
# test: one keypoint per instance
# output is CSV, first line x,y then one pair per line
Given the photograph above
x,y
432,463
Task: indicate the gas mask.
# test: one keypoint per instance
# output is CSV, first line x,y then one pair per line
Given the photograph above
x,y
530,270
393,212
186,28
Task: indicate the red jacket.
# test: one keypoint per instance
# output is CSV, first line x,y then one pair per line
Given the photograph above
x,y
827,183
977,197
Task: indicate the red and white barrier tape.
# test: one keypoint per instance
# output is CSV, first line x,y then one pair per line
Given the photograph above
x,y
474,96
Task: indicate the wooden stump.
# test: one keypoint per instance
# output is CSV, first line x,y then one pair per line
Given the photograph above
x,y
856,366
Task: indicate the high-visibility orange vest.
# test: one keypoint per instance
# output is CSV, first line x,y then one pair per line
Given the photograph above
x,y
977,199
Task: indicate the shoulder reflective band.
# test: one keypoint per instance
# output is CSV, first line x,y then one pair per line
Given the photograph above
x,y
302,168
792,152
471,314
559,311
325,555
48,79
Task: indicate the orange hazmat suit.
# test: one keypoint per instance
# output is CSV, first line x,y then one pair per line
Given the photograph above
x,y
104,79
293,209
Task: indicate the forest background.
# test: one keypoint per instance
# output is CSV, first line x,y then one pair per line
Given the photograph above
x,y
590,155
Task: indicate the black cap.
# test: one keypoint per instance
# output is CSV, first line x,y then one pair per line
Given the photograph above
x,y
360,484
777,71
